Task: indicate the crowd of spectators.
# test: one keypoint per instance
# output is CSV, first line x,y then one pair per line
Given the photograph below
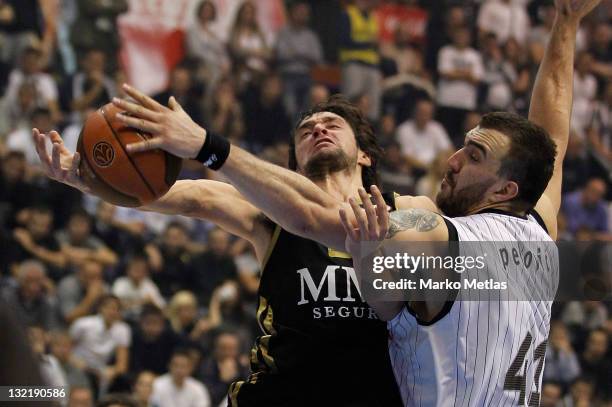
x,y
149,309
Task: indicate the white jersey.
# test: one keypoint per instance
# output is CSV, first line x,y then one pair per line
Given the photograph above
x,y
485,351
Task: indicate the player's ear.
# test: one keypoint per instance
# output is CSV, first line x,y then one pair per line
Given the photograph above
x,y
364,159
508,191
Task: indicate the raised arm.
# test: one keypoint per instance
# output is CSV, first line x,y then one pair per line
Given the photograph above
x,y
286,197
215,201
551,101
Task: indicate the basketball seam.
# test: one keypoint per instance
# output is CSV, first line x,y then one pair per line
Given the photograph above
x,y
144,180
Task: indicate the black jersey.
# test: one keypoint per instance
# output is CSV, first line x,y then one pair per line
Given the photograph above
x,y
322,344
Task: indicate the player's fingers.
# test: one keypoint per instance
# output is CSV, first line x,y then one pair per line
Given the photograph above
x,y
142,98
139,123
145,145
55,137
174,105
41,149
361,218
76,160
137,110
381,211
348,228
55,158
370,214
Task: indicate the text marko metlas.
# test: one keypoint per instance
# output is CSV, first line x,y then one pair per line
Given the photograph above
x,y
420,270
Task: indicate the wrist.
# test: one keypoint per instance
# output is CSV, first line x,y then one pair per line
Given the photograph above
x,y
214,151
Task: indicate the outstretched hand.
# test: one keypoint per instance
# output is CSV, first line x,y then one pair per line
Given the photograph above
x,y
171,127
372,221
62,165
575,10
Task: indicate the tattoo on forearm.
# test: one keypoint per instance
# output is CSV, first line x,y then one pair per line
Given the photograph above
x,y
421,219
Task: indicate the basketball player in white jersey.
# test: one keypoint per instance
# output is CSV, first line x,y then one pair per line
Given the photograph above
x,y
503,187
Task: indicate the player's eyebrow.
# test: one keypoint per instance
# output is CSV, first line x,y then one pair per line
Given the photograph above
x,y
309,124
477,145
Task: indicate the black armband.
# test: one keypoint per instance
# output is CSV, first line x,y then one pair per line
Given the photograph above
x,y
214,152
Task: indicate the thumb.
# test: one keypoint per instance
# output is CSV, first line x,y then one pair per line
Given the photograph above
x,y
174,105
144,145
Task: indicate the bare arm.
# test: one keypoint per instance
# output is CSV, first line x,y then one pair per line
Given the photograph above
x,y
551,101
215,201
376,224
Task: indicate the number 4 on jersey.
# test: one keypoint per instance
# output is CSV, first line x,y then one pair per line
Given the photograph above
x,y
517,382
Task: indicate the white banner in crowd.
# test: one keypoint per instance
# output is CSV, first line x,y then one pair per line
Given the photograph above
x,y
152,34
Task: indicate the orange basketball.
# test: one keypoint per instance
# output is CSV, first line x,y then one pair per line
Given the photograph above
x,y
120,178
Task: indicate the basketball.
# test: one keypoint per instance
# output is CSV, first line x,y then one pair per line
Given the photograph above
x,y
114,175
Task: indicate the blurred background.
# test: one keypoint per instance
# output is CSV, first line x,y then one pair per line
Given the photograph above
x,y
185,292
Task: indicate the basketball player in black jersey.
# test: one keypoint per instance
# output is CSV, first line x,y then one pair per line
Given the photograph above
x,y
322,345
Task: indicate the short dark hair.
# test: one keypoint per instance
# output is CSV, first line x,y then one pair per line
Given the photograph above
x,y
106,298
531,157
364,134
151,310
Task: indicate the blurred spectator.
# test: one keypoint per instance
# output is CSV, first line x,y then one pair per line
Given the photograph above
x,y
561,361
16,193
499,75
78,293
600,47
575,164
541,32
21,138
20,27
422,138
79,244
581,317
30,70
172,274
60,345
586,207
247,45
505,18
405,53
214,266
551,394
143,388
96,26
183,313
318,94
359,55
50,368
35,240
117,400
177,388
152,343
90,87
600,130
15,113
227,310
298,49
223,112
440,29
98,337
460,68
136,288
119,226
581,394
224,367
585,91
32,297
80,397
266,120
395,171
205,45
596,363
183,89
